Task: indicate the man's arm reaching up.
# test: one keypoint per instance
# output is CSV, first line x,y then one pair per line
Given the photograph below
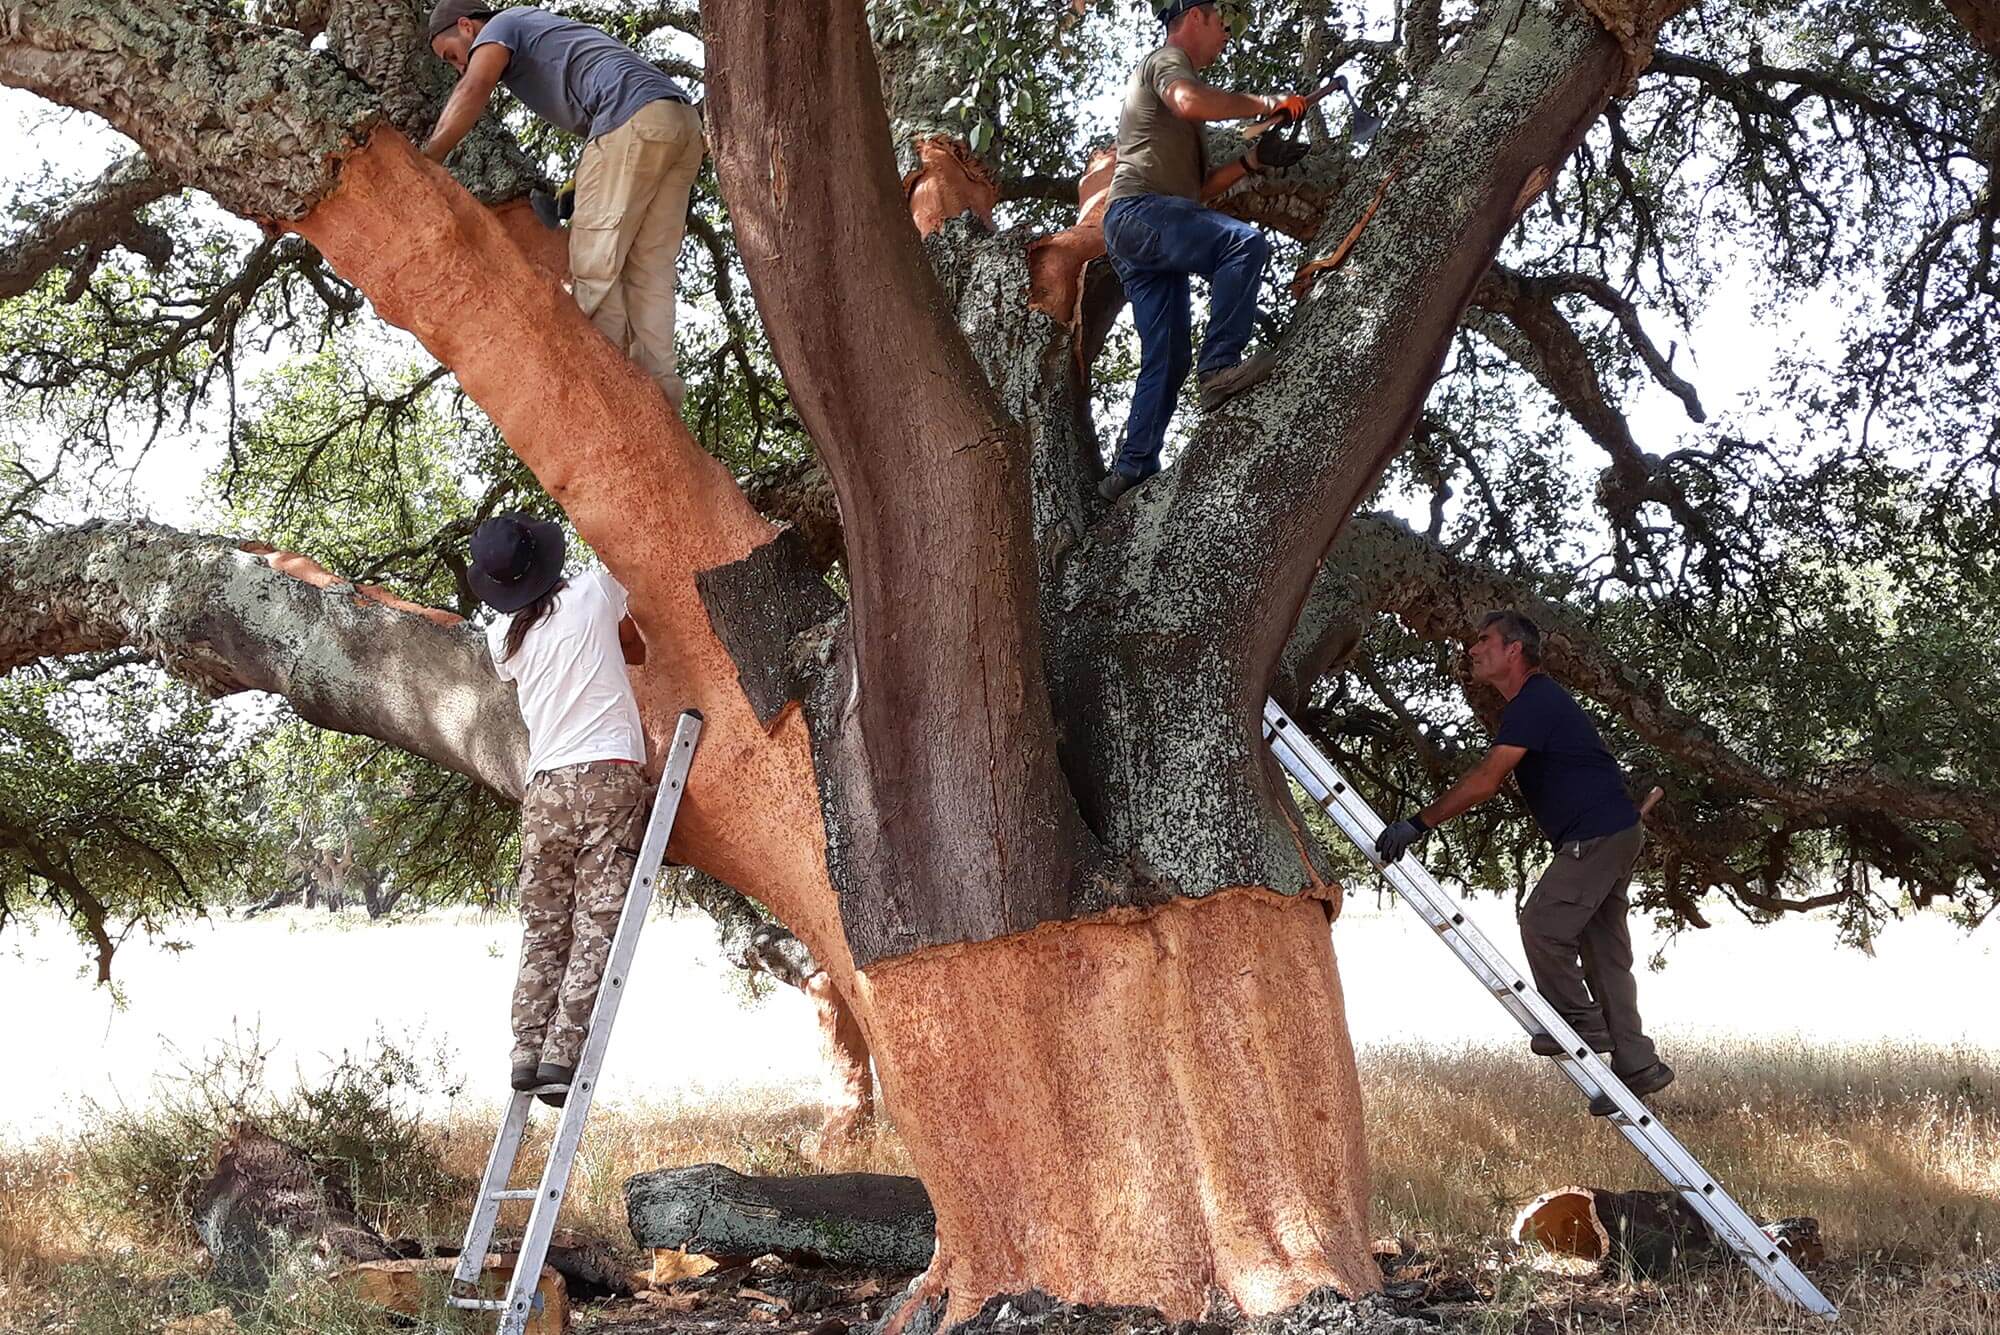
x,y
1479,783
468,100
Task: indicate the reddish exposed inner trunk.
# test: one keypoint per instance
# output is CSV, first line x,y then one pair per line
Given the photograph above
x,y
476,286
1158,1110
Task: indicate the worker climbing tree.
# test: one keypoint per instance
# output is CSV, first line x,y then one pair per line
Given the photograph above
x,y
1158,230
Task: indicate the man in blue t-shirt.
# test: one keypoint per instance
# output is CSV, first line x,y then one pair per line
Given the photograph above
x,y
1573,925
642,150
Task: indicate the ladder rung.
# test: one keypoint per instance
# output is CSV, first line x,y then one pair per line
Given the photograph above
x,y
477,1304
521,1194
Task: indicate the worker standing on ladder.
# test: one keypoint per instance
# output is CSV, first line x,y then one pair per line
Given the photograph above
x,y
1157,231
1573,925
564,644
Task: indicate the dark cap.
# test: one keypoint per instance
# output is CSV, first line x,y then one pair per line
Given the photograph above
x,y
516,558
445,14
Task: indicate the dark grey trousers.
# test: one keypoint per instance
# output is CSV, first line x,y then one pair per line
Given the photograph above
x,y
1573,927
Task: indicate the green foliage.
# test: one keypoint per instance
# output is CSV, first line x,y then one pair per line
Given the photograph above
x,y
375,467
118,803
1810,571
359,1124
363,821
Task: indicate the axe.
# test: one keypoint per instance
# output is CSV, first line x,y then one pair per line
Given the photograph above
x,y
1362,124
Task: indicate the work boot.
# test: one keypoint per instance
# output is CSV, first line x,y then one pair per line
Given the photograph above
x,y
1545,1045
523,1077
548,1073
1117,482
1649,1080
1219,387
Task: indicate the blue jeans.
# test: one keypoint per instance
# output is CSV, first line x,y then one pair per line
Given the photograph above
x,y
1155,242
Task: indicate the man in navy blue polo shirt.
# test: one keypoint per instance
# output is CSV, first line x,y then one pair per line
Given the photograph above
x,y
1573,925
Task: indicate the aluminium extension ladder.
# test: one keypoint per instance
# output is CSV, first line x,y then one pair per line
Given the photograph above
x,y
520,1302
1330,790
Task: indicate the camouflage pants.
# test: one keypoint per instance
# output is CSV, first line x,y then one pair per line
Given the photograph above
x,y
580,832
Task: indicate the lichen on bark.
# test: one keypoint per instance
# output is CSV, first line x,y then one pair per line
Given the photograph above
x,y
249,114
225,620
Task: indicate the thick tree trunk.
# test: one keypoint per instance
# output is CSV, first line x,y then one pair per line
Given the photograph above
x,y
1166,1107
951,820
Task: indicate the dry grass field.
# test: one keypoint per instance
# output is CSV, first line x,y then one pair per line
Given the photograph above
x,y
1896,1152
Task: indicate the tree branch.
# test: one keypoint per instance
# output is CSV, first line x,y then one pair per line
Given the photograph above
x,y
103,214
200,92
983,839
227,619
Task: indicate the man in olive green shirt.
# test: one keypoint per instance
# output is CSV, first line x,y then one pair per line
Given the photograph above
x,y
1157,233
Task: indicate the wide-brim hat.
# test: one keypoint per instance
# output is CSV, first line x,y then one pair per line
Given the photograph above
x,y
516,558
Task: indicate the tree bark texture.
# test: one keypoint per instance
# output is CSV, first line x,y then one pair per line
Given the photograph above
x,y
1179,603
604,442
1033,804
231,620
842,1219
948,819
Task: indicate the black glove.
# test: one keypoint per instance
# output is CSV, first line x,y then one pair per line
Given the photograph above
x,y
1393,842
1277,150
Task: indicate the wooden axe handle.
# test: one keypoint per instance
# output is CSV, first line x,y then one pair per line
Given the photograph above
x,y
1270,123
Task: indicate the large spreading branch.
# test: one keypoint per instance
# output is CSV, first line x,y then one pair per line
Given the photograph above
x,y
1286,465
227,619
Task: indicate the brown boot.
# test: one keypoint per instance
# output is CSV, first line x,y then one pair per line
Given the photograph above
x,y
1219,387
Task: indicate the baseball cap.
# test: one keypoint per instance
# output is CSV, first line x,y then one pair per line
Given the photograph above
x,y
446,14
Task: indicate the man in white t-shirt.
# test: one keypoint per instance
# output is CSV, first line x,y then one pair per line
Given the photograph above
x,y
564,643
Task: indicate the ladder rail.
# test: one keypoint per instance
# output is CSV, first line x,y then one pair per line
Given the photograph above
x,y
553,1185
1583,1067
1731,1224
492,1183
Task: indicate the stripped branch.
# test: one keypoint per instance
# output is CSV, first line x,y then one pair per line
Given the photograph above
x,y
227,619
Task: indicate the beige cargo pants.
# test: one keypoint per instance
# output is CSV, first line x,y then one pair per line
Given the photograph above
x,y
631,212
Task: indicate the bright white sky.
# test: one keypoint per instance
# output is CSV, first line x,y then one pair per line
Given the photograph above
x,y
315,987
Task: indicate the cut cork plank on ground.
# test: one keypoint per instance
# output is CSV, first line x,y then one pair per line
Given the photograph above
x,y
417,1288
1651,1229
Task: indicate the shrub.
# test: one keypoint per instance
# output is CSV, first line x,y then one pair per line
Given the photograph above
x,y
360,1125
